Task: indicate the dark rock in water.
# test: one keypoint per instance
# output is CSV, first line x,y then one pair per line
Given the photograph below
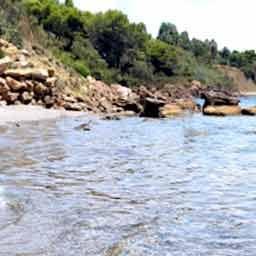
x,y
249,111
214,98
84,127
152,107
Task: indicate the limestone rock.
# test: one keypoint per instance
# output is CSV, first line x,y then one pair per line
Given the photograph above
x,y
28,73
187,104
222,110
40,89
214,98
4,64
4,88
26,97
11,97
170,110
15,85
49,101
74,106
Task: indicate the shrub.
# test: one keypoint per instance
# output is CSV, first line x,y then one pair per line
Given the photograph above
x,y
1,54
80,67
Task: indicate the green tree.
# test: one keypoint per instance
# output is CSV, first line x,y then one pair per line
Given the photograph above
x,y
225,54
213,49
168,33
69,3
163,57
183,41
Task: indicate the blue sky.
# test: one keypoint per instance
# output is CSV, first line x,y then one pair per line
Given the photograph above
x,y
229,22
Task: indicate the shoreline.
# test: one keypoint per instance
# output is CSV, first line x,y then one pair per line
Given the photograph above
x,y
25,113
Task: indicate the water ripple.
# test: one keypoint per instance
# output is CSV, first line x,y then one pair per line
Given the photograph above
x,y
183,186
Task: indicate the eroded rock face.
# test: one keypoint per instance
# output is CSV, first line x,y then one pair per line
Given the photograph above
x,y
220,104
213,98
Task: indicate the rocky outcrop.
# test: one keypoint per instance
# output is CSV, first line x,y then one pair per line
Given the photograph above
x,y
33,77
250,111
213,98
222,110
171,110
151,107
220,104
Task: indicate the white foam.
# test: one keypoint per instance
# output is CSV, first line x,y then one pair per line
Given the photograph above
x,y
2,198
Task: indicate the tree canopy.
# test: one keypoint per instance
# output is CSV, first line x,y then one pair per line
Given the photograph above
x,y
110,47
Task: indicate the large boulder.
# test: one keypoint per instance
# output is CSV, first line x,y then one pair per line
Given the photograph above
x,y
151,107
222,110
40,89
126,99
15,85
123,93
11,97
4,88
220,104
5,64
26,97
214,98
38,74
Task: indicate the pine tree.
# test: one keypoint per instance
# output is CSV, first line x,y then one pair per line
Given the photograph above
x,y
69,3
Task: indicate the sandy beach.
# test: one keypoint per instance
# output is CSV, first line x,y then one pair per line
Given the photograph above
x,y
23,113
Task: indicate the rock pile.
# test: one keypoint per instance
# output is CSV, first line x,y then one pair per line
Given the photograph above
x,y
30,77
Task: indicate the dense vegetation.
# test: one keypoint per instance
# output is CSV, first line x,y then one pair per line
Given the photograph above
x,y
110,47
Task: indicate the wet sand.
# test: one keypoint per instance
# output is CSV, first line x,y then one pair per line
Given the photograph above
x,y
32,113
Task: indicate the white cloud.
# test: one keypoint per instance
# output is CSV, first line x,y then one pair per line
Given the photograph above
x,y
229,22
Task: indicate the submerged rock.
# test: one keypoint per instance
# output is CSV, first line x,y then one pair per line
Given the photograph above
x,y
84,127
111,117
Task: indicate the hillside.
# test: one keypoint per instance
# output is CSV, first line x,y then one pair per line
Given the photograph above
x,y
240,82
110,48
